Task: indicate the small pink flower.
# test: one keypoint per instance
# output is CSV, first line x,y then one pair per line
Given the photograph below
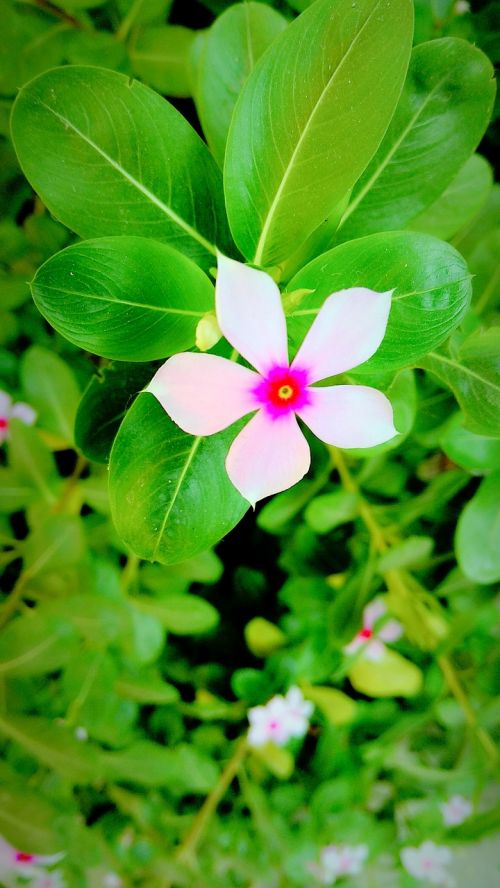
x,y
42,879
21,863
9,411
456,810
280,719
428,862
204,393
339,860
370,639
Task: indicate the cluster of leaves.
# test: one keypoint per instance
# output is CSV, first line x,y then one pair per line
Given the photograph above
x,y
125,685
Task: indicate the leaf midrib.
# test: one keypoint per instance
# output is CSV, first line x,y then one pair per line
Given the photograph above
x,y
272,209
178,220
191,454
463,368
112,301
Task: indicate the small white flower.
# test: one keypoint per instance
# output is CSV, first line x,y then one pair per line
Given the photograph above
x,y
20,863
9,410
339,860
428,862
280,719
456,810
371,639
461,7
42,879
81,733
112,880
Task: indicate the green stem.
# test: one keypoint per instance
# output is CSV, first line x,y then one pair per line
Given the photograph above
x,y
123,31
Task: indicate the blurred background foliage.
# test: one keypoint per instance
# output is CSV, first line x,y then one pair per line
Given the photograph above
x,y
124,686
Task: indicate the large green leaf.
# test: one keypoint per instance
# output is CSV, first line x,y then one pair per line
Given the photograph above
x,y
459,203
104,404
107,156
127,298
473,375
443,112
232,47
309,119
170,493
431,291
35,834
160,56
478,531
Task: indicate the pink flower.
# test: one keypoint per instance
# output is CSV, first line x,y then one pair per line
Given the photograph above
x,y
370,639
280,719
204,393
456,810
428,862
20,863
339,860
9,411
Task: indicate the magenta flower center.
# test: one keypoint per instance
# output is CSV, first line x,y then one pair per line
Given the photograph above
x,y
366,633
282,390
22,857
3,423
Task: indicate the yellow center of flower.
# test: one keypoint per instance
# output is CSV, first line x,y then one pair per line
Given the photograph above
x,y
285,392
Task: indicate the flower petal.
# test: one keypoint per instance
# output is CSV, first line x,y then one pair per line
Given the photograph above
x,y
391,631
268,455
250,314
5,405
24,412
349,415
204,393
372,612
347,330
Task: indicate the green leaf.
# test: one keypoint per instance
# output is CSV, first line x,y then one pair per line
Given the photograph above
x,y
484,265
392,676
180,614
51,388
94,703
431,285
104,404
54,746
276,515
459,203
170,494
263,637
473,452
160,57
444,110
408,554
478,529
309,119
337,707
15,492
34,834
140,168
127,298
330,510
35,644
56,543
473,375
32,462
183,769
31,43
147,687
232,46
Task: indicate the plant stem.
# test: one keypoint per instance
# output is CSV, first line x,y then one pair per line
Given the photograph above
x,y
189,845
71,482
400,588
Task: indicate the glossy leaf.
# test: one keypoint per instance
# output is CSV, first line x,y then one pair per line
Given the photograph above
x,y
484,265
82,125
104,403
337,707
170,494
330,510
476,540
459,203
127,298
476,453
444,110
309,119
231,49
473,375
431,292
51,388
160,56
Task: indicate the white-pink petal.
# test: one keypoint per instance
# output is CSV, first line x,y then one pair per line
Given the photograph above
x,y
374,650
23,412
250,314
373,612
204,393
349,415
267,456
347,330
5,405
390,631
